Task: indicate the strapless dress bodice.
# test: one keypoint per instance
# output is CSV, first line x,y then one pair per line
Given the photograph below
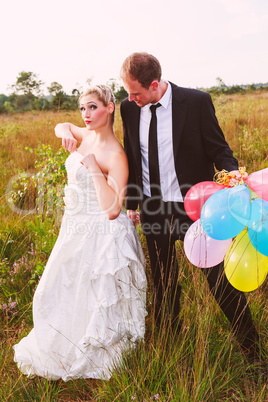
x,y
79,194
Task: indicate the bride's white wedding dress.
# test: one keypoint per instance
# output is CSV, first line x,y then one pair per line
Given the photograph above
x,y
89,305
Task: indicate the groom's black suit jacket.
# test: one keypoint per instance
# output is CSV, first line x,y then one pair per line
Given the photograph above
x,y
198,142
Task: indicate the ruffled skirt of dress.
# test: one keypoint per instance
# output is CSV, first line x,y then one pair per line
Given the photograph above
x,y
90,303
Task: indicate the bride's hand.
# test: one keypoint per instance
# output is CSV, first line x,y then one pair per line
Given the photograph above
x,y
69,143
90,163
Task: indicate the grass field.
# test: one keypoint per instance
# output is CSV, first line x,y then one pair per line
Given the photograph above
x,y
204,362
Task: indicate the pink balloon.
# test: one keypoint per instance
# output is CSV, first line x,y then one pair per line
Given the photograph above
x,y
258,182
201,250
197,196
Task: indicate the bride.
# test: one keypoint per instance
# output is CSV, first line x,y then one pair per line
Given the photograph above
x,y
89,305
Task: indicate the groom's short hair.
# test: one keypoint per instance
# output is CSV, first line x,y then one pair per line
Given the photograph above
x,y
143,67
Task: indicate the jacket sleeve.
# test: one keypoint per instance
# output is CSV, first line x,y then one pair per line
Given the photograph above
x,y
132,193
216,147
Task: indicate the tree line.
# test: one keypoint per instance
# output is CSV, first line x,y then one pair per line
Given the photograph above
x,y
27,94
222,89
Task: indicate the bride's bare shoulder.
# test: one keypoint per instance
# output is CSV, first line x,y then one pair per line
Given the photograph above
x,y
117,153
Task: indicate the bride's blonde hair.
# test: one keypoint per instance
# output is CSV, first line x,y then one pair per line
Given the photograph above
x,y
103,93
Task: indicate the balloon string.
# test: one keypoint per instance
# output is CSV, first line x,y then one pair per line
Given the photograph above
x,y
226,178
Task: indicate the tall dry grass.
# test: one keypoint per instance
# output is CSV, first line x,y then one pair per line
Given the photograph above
x,y
201,363
244,121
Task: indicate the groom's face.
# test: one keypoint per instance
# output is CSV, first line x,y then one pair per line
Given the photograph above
x,y
137,93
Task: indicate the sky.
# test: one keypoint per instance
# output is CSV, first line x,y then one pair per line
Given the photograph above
x,y
196,41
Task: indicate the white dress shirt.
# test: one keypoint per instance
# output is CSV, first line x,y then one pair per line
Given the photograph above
x,y
168,179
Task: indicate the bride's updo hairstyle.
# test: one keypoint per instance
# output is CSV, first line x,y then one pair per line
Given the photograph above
x,y
103,93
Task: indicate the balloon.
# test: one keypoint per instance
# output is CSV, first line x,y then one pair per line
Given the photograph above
x,y
245,268
197,195
253,195
258,182
201,250
226,213
258,225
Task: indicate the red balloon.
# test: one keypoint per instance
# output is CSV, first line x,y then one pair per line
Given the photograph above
x,y
258,182
197,196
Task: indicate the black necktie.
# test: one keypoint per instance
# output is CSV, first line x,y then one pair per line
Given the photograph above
x,y
153,155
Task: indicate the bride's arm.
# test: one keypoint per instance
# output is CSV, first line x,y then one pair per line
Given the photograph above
x,y
110,190
70,135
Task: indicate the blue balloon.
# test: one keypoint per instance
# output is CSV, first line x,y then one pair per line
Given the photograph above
x,y
258,226
226,213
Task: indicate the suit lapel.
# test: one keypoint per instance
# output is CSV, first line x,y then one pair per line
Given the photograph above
x,y
179,109
135,135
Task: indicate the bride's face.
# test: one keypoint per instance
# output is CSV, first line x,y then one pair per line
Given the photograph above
x,y
94,113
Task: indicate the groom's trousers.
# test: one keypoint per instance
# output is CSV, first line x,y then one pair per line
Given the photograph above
x,y
163,223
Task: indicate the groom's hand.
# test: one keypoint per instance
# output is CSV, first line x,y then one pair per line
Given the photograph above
x,y
134,216
237,177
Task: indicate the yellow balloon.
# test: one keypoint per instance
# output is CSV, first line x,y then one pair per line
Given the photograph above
x,y
245,268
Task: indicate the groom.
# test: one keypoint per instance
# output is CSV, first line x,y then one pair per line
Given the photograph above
x,y
170,147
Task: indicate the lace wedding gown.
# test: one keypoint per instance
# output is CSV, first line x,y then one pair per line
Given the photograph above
x,y
89,305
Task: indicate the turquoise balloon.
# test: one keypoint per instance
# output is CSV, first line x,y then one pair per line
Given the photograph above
x,y
258,226
226,213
